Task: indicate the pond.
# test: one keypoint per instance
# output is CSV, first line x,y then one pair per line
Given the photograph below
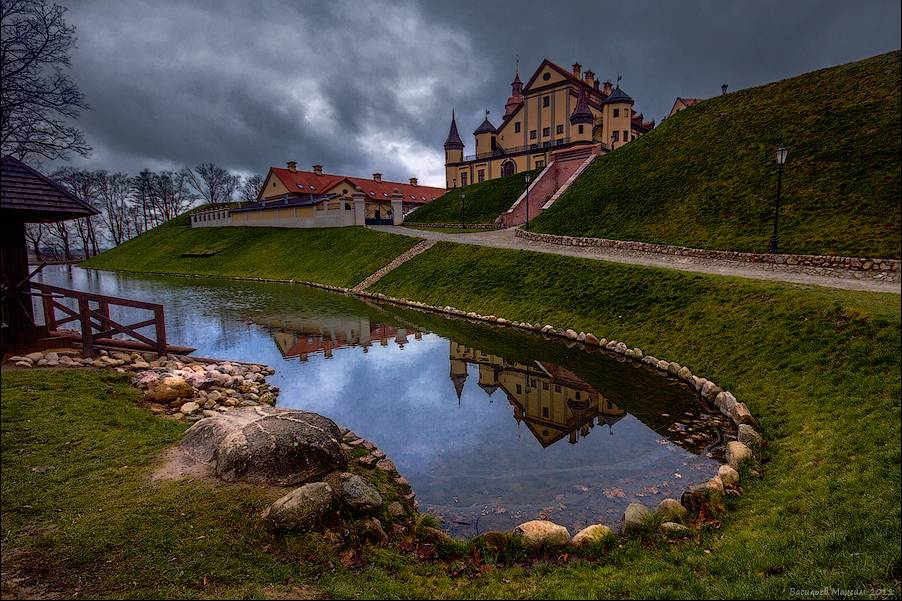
x,y
491,426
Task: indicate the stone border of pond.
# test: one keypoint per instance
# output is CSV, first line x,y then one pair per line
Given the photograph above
x,y
703,498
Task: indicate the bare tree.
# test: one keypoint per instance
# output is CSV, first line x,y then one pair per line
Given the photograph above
x,y
34,233
214,183
61,231
114,192
171,194
250,188
84,185
143,194
37,99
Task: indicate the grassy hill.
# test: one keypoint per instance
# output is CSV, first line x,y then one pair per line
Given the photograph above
x,y
706,177
483,203
336,256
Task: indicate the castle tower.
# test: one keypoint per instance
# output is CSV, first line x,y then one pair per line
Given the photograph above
x,y
516,97
581,119
454,147
617,118
459,376
485,136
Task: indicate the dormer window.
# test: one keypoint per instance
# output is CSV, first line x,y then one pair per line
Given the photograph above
x,y
301,186
372,193
312,187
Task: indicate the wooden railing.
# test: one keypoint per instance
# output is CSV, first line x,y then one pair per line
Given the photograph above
x,y
96,326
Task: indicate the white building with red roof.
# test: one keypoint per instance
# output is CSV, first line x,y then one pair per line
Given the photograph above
x,y
309,199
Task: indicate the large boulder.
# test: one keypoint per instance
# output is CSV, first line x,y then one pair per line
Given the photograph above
x,y
635,516
358,494
542,532
304,508
671,509
266,445
737,453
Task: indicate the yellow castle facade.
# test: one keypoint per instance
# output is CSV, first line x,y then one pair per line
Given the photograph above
x,y
555,110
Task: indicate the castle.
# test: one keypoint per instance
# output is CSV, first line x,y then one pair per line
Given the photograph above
x,y
556,110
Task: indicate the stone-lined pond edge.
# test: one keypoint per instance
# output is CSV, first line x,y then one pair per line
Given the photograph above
x,y
637,516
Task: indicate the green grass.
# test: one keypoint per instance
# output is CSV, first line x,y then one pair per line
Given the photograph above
x,y
336,256
706,177
818,367
483,203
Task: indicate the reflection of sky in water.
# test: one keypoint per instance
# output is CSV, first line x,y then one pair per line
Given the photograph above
x,y
464,458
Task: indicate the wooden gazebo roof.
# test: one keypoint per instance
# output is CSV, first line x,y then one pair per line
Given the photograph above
x,y
28,196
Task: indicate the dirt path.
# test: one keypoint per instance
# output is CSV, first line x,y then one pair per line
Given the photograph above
x,y
839,278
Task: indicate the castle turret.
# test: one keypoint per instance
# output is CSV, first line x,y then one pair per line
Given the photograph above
x,y
485,136
581,118
454,146
516,97
618,118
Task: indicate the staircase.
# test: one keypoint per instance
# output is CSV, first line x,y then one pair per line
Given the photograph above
x,y
561,172
374,277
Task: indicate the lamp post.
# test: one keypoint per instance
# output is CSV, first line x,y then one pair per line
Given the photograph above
x,y
723,89
462,196
527,178
780,156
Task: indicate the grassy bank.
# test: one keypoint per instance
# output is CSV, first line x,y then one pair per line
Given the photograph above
x,y
337,256
706,177
483,203
818,367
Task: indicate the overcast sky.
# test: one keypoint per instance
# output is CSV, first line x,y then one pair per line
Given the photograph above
x,y
369,86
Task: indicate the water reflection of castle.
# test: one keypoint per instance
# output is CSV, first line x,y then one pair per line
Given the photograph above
x,y
552,401
304,336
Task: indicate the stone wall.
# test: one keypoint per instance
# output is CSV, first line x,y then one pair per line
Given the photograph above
x,y
886,269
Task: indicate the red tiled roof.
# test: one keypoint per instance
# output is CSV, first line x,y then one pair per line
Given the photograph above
x,y
319,184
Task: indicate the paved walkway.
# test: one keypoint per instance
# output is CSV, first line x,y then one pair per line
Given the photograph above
x,y
757,271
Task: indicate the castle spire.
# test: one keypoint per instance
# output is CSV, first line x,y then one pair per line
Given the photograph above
x,y
453,141
581,113
516,97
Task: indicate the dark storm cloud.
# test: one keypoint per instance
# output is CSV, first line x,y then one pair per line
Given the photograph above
x,y
361,87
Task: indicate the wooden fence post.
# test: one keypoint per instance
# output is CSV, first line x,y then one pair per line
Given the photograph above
x,y
87,334
160,326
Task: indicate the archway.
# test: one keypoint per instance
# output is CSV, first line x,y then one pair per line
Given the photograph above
x,y
508,168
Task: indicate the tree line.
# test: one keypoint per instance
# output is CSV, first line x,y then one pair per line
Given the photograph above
x,y
130,205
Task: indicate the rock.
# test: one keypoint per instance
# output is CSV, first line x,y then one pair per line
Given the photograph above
x,y
725,401
697,496
25,363
635,516
371,529
673,368
435,536
675,528
737,453
304,508
684,374
699,383
396,510
671,509
267,445
189,408
34,356
358,494
542,532
728,475
386,465
591,534
749,436
710,389
168,389
741,415
591,339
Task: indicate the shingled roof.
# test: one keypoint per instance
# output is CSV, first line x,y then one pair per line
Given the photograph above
x,y
27,195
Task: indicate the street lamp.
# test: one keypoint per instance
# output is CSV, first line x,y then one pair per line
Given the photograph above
x,y
462,196
723,89
528,178
780,156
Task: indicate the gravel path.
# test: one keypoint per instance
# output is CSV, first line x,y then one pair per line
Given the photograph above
x,y
838,278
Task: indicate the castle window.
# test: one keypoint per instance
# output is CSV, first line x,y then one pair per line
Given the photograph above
x,y
626,136
546,131
519,389
615,136
546,143
544,411
274,184
616,112
517,127
560,129
546,76
480,175
544,385
557,387
577,395
540,164
560,141
580,128
532,134
546,101
463,178
533,146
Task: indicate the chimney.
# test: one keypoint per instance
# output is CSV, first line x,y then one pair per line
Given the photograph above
x,y
318,169
589,78
292,166
413,181
377,177
576,70
608,88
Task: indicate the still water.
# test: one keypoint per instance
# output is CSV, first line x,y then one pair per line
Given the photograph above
x,y
491,426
